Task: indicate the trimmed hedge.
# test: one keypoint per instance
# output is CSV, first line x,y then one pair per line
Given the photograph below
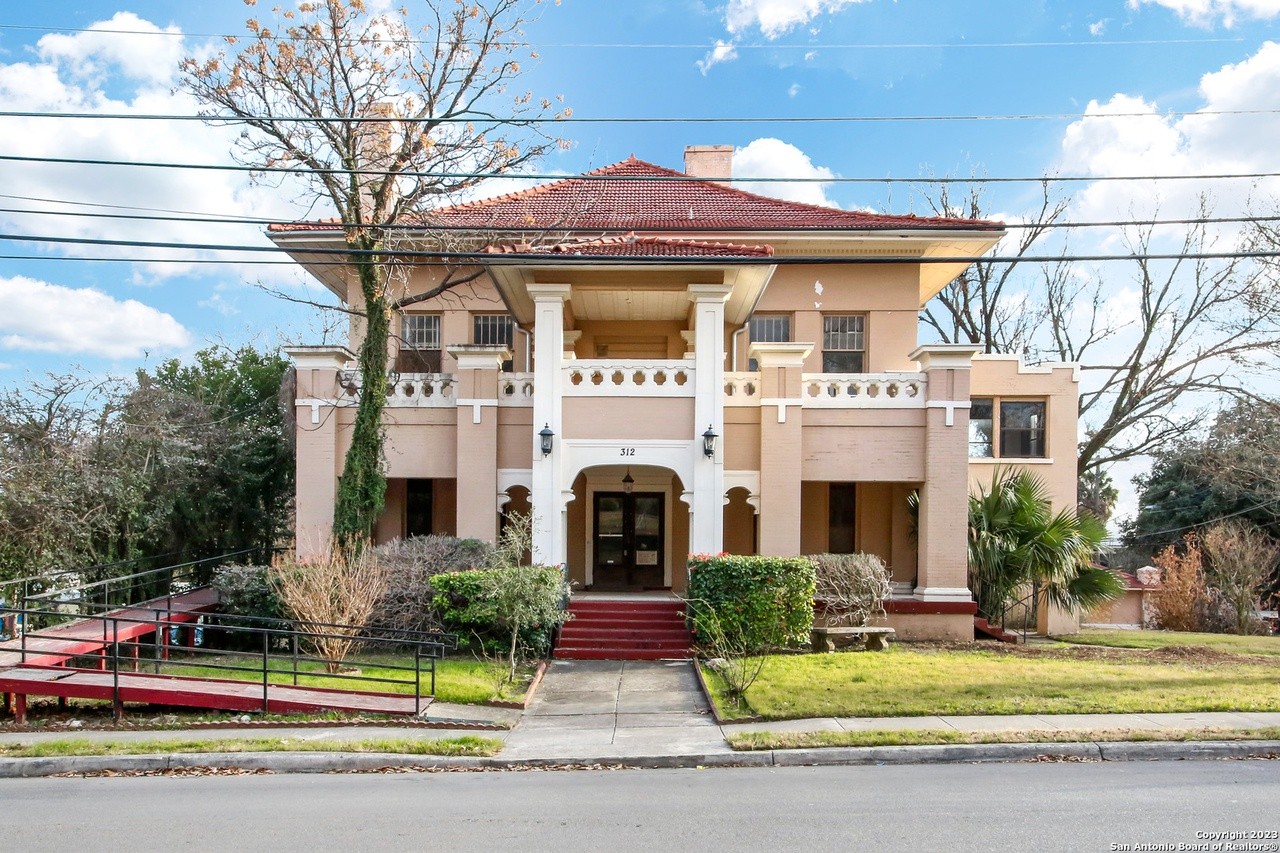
x,y
465,603
756,602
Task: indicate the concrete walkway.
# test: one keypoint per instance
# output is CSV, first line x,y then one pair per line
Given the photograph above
x,y
619,709
614,711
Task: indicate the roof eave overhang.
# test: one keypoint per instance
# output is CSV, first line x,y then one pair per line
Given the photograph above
x,y
514,273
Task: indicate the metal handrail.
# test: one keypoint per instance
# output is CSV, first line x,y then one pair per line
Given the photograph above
x,y
431,649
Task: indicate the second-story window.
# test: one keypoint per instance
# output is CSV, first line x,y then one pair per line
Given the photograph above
x,y
768,328
419,344
493,330
1006,429
1021,429
844,348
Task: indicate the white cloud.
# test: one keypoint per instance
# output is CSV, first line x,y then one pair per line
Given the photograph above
x,y
775,18
1155,143
98,73
53,318
1204,13
1097,28
126,43
724,51
793,90
774,158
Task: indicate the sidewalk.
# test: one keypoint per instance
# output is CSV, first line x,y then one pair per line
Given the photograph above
x,y
654,714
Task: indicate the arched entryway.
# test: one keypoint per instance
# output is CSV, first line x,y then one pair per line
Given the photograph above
x,y
628,529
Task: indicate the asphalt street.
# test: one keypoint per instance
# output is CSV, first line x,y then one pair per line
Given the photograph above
x,y
1035,806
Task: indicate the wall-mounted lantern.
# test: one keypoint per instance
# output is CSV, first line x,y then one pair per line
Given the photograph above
x,y
546,435
709,443
628,482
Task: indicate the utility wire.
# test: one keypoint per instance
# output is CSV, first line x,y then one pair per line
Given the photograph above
x,y
216,219
341,255
278,36
467,118
589,178
1247,510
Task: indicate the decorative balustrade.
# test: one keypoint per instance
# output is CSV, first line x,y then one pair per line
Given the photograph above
x,y
515,389
863,390
628,378
406,390
742,389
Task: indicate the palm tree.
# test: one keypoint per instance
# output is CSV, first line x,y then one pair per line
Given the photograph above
x,y
1016,540
1098,494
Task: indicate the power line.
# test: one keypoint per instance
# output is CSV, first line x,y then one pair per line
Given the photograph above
x,y
671,45
217,219
590,178
1146,535
466,118
343,255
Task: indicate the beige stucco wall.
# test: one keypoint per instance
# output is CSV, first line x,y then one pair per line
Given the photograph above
x,y
616,334
1058,385
888,294
1125,610
628,418
1006,378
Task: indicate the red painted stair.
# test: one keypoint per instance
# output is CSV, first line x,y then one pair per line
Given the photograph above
x,y
620,628
984,630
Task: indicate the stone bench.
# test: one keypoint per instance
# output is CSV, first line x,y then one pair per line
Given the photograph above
x,y
877,639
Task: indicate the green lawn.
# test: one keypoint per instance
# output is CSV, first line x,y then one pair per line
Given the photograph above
x,y
468,745
921,680
1228,643
462,680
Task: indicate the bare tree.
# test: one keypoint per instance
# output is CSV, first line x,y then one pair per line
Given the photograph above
x,y
988,304
1241,558
1202,328
381,120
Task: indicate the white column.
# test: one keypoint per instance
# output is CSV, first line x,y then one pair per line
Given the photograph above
x,y
706,522
549,545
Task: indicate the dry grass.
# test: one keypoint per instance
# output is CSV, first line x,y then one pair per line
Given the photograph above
x,y
467,745
759,741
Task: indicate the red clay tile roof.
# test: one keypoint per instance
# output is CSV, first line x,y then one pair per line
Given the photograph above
x,y
632,246
635,195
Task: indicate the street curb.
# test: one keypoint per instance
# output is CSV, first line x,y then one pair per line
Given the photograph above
x,y
346,762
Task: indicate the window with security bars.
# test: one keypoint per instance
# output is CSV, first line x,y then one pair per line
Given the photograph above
x,y
493,330
768,328
419,344
844,347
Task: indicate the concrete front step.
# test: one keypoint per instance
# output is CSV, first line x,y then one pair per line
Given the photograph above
x,y
594,620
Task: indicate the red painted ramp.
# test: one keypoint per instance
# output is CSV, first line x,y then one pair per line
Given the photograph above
x,y
209,693
90,636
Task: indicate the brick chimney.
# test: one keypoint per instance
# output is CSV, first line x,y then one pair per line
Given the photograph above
x,y
714,162
1148,576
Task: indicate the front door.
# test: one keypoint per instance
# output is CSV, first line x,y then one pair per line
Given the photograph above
x,y
629,540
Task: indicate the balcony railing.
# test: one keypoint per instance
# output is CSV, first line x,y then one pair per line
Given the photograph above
x,y
437,390
628,378
863,390
837,390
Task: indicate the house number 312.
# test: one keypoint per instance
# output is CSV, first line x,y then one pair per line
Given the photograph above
x,y
628,451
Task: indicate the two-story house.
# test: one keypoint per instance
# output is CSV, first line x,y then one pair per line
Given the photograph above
x,y
655,364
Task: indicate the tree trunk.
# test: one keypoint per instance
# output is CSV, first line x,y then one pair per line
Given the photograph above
x,y
362,488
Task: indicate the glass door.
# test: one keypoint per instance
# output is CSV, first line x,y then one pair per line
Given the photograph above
x,y
629,540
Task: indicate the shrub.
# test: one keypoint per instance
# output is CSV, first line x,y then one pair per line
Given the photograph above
x,y
1181,601
851,587
247,591
330,597
1241,557
409,565
516,606
757,603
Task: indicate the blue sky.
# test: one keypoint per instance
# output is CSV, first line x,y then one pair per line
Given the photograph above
x,y
632,58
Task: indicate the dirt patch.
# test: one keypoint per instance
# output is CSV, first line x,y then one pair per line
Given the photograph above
x,y
1197,655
